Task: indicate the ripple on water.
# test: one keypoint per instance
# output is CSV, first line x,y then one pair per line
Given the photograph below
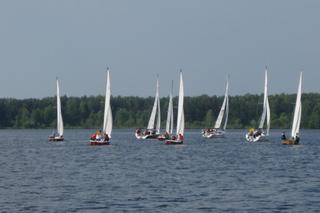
x,y
147,176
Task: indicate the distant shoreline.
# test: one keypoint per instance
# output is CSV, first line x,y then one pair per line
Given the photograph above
x,y
132,112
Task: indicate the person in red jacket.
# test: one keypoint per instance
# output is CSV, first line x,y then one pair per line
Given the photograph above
x,y
180,137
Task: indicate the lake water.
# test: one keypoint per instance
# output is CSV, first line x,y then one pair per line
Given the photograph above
x,y
148,176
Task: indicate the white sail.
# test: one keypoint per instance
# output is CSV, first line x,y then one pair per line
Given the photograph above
x,y
156,105
171,119
266,108
180,117
159,112
59,114
297,111
227,111
107,119
268,118
169,123
224,109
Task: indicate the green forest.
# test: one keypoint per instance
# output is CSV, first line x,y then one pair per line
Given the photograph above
x,y
132,112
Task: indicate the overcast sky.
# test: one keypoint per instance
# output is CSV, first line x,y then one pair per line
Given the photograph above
x,y
138,39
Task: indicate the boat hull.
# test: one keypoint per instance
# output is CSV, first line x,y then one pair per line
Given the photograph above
x,y
56,139
259,138
98,143
215,134
173,142
163,137
289,142
141,136
155,136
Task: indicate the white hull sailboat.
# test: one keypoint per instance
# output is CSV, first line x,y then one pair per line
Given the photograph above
x,y
217,131
58,135
255,135
178,139
153,128
103,137
169,123
295,137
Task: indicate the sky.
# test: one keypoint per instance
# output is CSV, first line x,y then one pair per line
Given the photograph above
x,y
76,40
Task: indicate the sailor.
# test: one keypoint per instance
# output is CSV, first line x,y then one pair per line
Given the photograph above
x,y
251,132
166,134
98,135
297,138
255,133
259,131
180,137
283,136
93,137
106,137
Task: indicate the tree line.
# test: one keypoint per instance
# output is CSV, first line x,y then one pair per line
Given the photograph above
x,y
132,112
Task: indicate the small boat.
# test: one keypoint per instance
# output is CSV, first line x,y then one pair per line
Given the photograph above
x,y
58,135
217,132
169,123
178,138
102,137
295,137
153,129
255,135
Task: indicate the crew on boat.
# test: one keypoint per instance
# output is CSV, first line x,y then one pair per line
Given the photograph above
x,y
251,132
166,135
257,133
180,137
93,137
139,131
55,135
153,131
209,131
146,132
106,137
58,136
150,132
283,136
297,138
98,135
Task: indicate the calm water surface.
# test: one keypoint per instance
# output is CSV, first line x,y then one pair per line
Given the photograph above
x,y
148,176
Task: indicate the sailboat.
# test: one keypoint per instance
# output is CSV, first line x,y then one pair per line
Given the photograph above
x,y
178,139
295,138
254,135
153,128
217,131
102,137
169,123
58,135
